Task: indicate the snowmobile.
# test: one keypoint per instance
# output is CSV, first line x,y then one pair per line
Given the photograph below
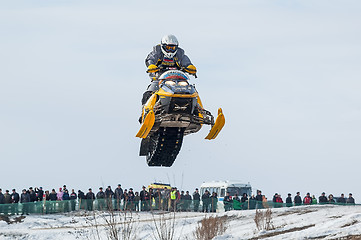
x,y
170,113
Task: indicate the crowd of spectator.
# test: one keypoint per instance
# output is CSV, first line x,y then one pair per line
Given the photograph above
x,y
168,199
260,201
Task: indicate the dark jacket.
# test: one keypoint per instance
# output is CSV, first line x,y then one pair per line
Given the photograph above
x,y
144,195
156,57
298,199
73,196
39,195
81,195
350,200
7,197
66,196
25,197
15,197
2,198
196,196
259,197
118,193
100,195
288,200
322,199
90,195
109,193
244,199
53,196
341,200
33,197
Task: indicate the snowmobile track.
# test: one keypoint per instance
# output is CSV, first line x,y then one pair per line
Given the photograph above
x,y
165,146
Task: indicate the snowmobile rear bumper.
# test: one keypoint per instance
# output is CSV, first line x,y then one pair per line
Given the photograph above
x,y
217,127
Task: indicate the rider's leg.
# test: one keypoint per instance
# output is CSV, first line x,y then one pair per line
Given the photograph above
x,y
153,87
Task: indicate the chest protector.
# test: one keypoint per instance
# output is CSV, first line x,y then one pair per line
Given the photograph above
x,y
168,62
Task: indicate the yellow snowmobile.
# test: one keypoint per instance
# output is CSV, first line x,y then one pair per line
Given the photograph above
x,y
172,112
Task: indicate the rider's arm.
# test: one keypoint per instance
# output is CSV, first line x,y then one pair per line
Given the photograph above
x,y
153,56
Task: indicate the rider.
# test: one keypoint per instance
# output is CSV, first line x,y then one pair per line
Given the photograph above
x,y
165,55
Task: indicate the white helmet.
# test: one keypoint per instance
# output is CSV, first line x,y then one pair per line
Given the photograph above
x,y
169,45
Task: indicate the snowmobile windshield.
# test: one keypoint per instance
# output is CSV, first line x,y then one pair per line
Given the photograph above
x,y
174,75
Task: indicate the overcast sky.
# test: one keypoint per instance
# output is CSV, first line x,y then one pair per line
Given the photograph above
x,y
286,73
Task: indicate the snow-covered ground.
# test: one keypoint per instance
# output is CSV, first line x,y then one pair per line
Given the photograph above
x,y
304,222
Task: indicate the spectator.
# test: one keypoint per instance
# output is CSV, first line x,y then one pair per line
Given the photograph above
x,y
252,202
82,199
350,199
259,199
7,197
227,202
39,193
100,197
15,198
136,201
66,198
118,195
205,201
182,202
236,198
32,195
330,199
25,199
73,198
314,200
47,195
90,197
100,194
279,201
59,195
165,198
157,199
297,200
150,199
64,188
130,198
322,199
196,200
307,200
7,200
264,202
125,201
173,199
214,201
53,195
289,200
2,198
108,196
109,193
144,197
66,195
244,201
188,201
81,194
342,199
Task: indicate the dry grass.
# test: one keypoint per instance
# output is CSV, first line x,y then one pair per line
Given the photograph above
x,y
210,227
272,234
164,226
263,220
350,224
8,220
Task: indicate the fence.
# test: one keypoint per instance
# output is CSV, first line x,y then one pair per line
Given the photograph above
x,y
209,205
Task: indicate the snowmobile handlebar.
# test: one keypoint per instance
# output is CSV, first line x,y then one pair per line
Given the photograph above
x,y
169,68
